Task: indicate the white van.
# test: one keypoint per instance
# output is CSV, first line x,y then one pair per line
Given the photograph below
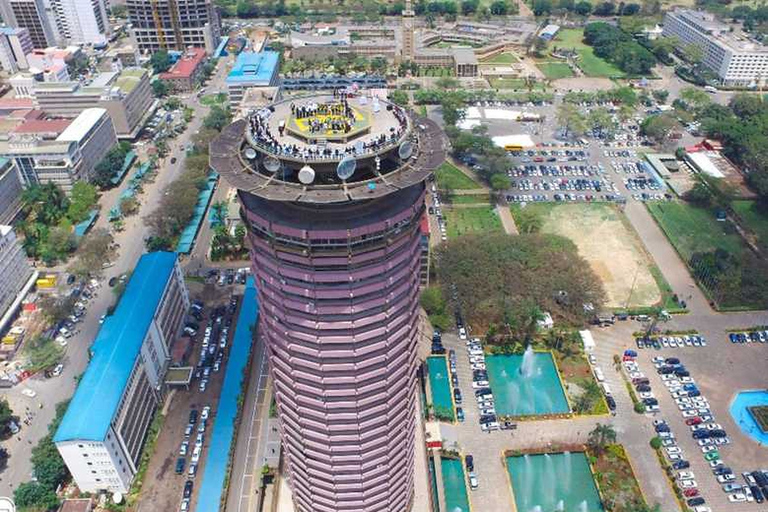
x,y
599,374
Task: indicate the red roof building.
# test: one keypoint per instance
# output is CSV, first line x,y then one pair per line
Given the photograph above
x,y
186,72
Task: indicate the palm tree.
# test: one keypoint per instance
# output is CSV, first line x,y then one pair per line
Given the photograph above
x,y
601,436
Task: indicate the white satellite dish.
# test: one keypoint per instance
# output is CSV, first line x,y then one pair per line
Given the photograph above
x,y
250,153
306,175
117,498
406,150
346,168
271,164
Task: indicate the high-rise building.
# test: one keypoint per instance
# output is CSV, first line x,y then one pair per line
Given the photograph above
x,y
737,58
16,275
37,16
82,21
10,191
333,210
174,24
15,44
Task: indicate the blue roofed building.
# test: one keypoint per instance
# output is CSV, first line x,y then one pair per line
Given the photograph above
x,y
252,70
102,433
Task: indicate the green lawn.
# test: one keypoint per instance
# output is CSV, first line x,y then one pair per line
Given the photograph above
x,y
462,221
755,220
555,70
472,199
692,229
213,99
513,83
501,58
590,64
448,176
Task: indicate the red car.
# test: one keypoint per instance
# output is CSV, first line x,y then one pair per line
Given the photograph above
x,y
691,493
693,421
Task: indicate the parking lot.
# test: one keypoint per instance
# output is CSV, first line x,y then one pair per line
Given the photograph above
x,y
175,470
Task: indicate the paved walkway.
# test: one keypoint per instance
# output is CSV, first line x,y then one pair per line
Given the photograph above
x,y
507,221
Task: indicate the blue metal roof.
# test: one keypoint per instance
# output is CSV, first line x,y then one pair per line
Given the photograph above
x,y
254,68
115,351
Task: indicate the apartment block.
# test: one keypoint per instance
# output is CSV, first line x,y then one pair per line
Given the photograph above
x,y
10,191
186,72
174,25
16,275
102,433
734,56
37,16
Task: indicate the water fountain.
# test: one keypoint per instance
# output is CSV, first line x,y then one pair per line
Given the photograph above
x,y
527,366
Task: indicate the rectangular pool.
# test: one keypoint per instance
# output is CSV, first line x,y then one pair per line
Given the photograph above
x,y
553,482
455,484
440,384
525,385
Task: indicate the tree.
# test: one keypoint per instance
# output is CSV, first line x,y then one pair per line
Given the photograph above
x,y
160,61
110,165
453,109
128,206
447,83
160,88
499,8
45,203
399,97
601,122
695,98
604,9
61,241
82,199
658,127
655,442
6,417
55,309
95,250
35,496
583,8
528,221
693,54
500,182
700,195
660,95
542,7
570,119
539,46
747,106
217,118
42,353
601,436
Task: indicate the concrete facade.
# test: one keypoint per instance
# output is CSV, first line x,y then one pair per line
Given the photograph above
x,y
37,16
736,59
15,274
171,25
10,191
15,44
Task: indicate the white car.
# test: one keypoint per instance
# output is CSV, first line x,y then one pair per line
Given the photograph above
x,y
477,359
673,449
645,394
487,427
636,375
689,414
480,384
687,484
478,366
724,479
707,449
57,371
473,483
462,333
487,410
206,412
705,442
61,340
737,497
686,475
29,393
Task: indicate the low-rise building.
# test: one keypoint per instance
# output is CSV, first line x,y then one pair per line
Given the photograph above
x,y
126,95
58,150
103,431
16,275
251,70
186,72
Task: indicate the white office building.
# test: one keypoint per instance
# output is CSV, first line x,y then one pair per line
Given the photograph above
x,y
16,275
15,44
736,58
65,157
82,21
102,433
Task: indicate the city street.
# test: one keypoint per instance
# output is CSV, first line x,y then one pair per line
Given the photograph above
x,y
131,240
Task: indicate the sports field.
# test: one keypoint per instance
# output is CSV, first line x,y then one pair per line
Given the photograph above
x,y
471,219
449,177
609,244
590,64
554,70
501,58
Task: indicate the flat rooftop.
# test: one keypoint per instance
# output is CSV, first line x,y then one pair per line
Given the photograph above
x,y
186,65
254,68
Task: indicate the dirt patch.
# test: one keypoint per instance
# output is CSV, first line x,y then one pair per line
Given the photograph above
x,y
612,249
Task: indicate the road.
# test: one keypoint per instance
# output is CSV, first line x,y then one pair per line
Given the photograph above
x,y
131,240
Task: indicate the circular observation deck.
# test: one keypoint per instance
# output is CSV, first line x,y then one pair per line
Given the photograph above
x,y
328,149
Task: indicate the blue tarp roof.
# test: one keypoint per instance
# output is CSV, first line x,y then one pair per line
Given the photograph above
x,y
129,158
221,50
82,227
187,238
115,351
209,496
254,68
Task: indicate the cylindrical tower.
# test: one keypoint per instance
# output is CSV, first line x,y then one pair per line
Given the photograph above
x,y
332,191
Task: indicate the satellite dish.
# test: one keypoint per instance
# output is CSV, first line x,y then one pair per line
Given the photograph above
x,y
406,150
346,168
306,175
117,498
359,147
271,164
250,153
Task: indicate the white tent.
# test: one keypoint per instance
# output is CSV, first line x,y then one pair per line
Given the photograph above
x,y
587,340
514,140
